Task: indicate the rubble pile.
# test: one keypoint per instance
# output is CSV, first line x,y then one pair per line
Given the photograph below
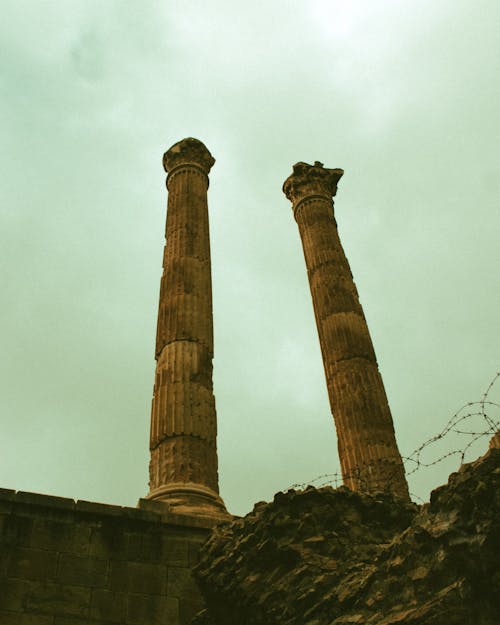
x,y
335,557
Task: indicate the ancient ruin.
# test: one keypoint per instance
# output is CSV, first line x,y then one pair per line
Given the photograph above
x,y
362,553
338,557
369,456
183,467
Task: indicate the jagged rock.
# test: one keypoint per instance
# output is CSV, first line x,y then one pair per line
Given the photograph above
x,y
335,557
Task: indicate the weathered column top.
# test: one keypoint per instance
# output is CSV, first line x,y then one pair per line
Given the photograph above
x,y
188,152
308,181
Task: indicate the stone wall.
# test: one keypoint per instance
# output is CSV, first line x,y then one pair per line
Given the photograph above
x,y
80,563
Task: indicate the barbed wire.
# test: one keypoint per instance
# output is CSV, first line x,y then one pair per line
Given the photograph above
x,y
492,426
489,426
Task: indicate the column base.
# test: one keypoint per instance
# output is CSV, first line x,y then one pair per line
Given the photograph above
x,y
190,499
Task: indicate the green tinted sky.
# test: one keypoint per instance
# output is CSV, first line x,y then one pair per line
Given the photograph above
x,y
402,95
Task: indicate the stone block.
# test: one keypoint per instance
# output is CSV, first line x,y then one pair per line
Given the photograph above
x,y
194,548
137,514
14,618
6,506
82,570
79,620
153,506
118,575
48,501
190,521
176,551
5,557
37,603
3,522
61,536
7,494
95,508
29,563
152,610
144,578
6,498
10,618
36,619
12,594
108,606
56,599
145,546
108,540
134,546
16,531
180,583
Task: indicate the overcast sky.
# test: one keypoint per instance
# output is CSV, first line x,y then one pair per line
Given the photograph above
x,y
404,96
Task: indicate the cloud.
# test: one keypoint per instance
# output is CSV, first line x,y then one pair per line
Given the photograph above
x,y
402,96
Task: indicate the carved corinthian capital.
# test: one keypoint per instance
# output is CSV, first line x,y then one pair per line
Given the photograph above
x,y
188,152
311,180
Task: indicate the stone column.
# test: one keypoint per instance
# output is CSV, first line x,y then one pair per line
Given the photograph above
x,y
369,456
183,467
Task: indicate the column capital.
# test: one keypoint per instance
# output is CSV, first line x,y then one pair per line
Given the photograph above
x,y
311,180
189,151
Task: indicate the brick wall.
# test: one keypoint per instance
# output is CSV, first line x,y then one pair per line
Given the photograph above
x,y
81,563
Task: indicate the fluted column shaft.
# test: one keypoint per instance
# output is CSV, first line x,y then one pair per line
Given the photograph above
x,y
369,456
183,464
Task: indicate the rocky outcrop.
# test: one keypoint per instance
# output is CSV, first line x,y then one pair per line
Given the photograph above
x,y
335,557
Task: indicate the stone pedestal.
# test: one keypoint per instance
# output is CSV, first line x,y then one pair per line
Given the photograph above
x,y
183,467
369,456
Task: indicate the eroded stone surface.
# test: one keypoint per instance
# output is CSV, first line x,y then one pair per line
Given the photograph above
x,y
333,557
369,456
